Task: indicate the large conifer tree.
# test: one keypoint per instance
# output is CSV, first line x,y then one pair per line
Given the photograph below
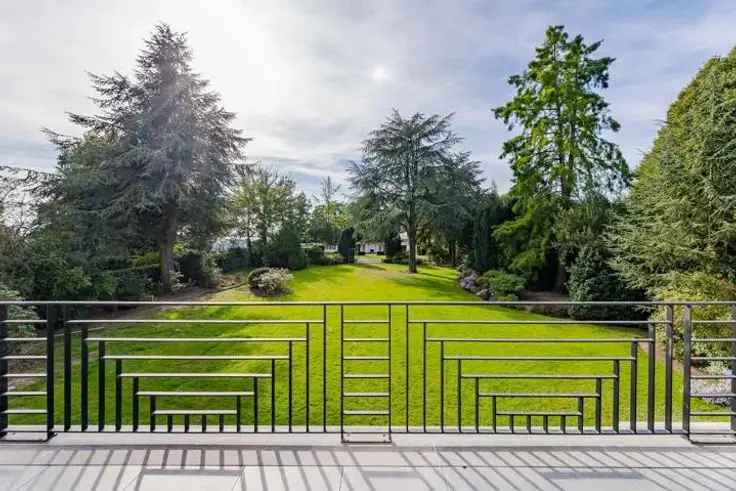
x,y
172,144
560,155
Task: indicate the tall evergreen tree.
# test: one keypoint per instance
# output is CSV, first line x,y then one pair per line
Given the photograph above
x,y
172,144
400,160
453,199
491,211
678,230
560,154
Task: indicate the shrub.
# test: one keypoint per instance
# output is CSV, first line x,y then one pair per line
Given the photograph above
x,y
132,284
17,312
438,254
198,269
316,255
285,251
254,275
332,259
502,285
346,245
273,281
233,259
592,279
402,258
392,245
705,287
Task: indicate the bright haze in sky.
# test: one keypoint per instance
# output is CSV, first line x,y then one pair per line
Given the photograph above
x,y
309,80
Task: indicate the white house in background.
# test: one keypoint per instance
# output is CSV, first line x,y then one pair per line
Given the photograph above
x,y
371,247
404,241
330,247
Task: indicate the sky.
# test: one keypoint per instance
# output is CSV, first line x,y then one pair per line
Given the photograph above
x,y
310,79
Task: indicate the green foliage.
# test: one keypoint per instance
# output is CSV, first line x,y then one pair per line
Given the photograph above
x,y
198,269
346,245
438,253
132,284
559,156
329,217
401,161
680,217
264,202
392,245
454,192
168,147
527,240
502,285
316,256
694,286
285,251
583,225
490,213
17,312
233,259
592,279
401,258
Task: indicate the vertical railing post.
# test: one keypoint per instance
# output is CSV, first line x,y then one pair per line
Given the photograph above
x,y
52,318
442,386
598,401
306,381
651,366
324,368
406,367
62,325
686,334
135,402
118,394
459,396
616,391
424,377
669,345
84,378
273,395
342,374
633,382
101,386
733,367
289,397
4,350
390,373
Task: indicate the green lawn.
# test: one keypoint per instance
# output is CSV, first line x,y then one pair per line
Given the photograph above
x,y
366,282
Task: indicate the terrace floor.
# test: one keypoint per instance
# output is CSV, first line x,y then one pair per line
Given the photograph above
x,y
315,462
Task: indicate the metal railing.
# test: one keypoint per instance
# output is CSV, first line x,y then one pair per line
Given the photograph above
x,y
367,368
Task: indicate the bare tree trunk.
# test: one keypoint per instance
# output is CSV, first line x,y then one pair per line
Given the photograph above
x,y
412,236
167,239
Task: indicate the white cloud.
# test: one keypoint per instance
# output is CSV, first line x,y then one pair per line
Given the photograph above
x,y
309,80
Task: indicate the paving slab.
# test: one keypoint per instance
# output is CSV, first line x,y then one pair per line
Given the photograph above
x,y
412,462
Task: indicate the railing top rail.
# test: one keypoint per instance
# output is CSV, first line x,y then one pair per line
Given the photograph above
x,y
360,302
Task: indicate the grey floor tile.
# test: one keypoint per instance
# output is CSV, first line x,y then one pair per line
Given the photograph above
x,y
79,477
392,477
198,479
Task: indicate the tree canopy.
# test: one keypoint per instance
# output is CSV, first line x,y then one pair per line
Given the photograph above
x,y
401,159
680,217
171,144
560,155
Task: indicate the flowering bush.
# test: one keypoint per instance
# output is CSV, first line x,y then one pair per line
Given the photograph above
x,y
273,281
